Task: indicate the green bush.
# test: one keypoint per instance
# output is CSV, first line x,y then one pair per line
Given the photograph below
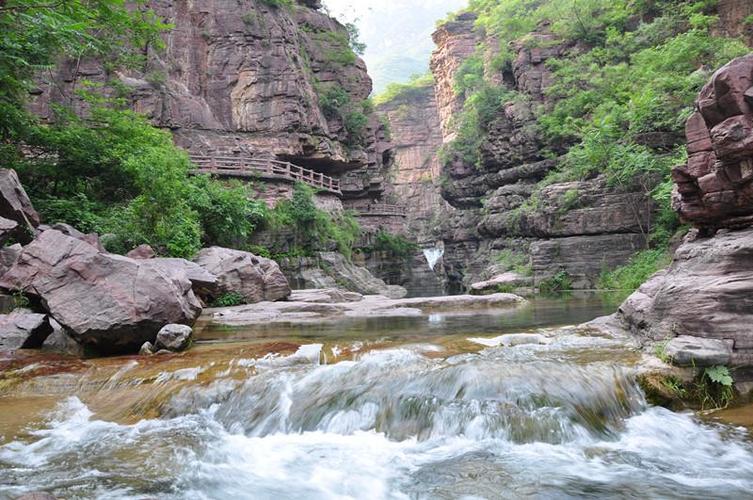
x,y
126,178
394,244
230,299
226,211
479,109
560,282
313,229
336,103
632,275
515,261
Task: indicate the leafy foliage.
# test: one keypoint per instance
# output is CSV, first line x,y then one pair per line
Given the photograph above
x,y
714,387
405,91
560,282
515,261
396,245
230,299
36,34
336,104
313,229
632,76
354,38
636,272
719,375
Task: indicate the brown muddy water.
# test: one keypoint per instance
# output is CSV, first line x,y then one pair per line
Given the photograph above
x,y
375,409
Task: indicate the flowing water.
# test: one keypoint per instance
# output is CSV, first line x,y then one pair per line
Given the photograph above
x,y
432,256
364,409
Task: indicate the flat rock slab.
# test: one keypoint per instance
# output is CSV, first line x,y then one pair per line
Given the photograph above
x,y
511,340
325,296
370,307
510,279
695,351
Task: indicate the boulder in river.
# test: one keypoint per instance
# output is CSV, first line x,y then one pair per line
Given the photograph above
x,y
112,303
23,330
174,338
255,278
60,342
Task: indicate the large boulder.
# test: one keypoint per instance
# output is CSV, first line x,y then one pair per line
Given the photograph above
x,y
707,294
204,283
255,278
174,338
68,230
23,330
15,204
109,302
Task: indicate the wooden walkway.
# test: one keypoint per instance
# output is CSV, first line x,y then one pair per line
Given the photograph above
x,y
248,167
382,209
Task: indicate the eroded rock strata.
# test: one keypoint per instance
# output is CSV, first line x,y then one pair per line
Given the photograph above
x,y
703,303
244,77
494,206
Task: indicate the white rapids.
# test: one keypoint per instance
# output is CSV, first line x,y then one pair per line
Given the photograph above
x,y
509,422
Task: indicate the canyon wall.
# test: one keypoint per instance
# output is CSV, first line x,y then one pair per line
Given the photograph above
x,y
246,77
580,228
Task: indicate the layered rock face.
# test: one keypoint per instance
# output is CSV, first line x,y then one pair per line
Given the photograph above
x,y
243,76
456,41
715,187
703,304
415,172
579,228
707,293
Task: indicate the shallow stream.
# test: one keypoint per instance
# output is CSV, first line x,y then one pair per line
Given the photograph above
x,y
374,409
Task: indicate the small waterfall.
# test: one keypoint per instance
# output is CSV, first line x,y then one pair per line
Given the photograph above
x,y
433,255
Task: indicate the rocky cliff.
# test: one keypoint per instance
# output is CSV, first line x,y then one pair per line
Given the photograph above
x,y
579,228
244,76
703,304
415,176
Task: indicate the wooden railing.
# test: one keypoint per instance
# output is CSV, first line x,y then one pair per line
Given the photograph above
x,y
381,209
238,166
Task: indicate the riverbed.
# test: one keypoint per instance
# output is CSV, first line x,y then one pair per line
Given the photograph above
x,y
416,407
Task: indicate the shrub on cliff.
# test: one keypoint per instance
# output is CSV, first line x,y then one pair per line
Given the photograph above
x,y
336,104
405,91
312,228
396,245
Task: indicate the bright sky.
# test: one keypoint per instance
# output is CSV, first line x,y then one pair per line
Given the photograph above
x,y
397,33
